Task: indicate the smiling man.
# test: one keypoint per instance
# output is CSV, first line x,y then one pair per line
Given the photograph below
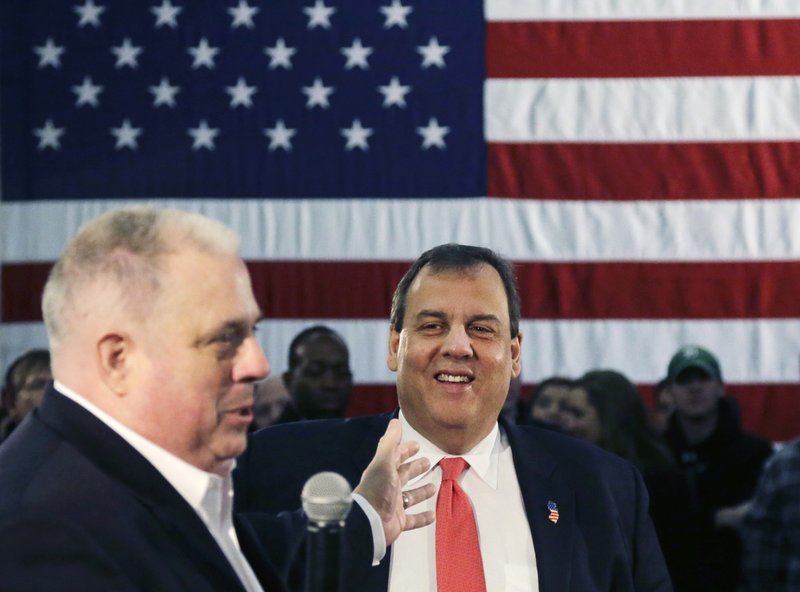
x,y
519,508
121,480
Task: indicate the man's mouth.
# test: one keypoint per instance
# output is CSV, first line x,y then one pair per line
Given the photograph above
x,y
241,411
453,378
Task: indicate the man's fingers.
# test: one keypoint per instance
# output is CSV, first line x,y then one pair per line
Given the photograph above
x,y
388,443
419,494
415,468
418,520
406,450
413,497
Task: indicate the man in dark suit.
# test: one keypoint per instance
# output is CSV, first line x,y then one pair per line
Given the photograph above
x,y
552,513
121,480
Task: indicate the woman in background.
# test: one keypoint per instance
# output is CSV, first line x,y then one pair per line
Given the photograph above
x,y
547,405
607,409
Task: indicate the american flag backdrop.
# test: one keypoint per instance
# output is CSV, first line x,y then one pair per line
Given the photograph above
x,y
638,159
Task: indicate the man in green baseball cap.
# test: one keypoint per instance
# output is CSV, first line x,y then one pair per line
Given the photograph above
x,y
697,407
694,356
721,462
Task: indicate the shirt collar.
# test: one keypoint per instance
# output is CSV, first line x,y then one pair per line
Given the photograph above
x,y
192,483
482,459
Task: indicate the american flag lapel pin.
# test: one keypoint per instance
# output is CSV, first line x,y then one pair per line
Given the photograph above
x,y
552,507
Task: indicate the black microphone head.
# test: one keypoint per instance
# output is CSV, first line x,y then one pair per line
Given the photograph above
x,y
326,498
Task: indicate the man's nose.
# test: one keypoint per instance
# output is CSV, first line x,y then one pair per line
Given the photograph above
x,y
252,364
457,343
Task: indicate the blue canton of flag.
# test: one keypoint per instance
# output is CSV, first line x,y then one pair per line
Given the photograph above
x,y
242,99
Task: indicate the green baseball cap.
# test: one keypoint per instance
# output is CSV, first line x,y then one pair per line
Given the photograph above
x,y
693,356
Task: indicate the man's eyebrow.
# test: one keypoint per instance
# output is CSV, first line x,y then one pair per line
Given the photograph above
x,y
485,317
438,314
239,325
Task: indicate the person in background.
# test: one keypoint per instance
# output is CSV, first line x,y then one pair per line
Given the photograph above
x,y
271,398
519,508
26,379
771,528
319,380
721,462
664,406
608,410
546,407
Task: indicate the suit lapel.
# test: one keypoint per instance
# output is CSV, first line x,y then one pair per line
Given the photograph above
x,y
539,481
121,462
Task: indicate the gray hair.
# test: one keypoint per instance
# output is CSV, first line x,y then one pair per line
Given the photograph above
x,y
126,249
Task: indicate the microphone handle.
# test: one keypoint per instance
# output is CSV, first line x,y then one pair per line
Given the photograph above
x,y
323,559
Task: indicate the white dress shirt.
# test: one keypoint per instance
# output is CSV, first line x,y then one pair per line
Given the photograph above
x,y
210,495
509,561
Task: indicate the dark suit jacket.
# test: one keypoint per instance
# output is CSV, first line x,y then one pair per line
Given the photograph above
x,y
603,541
80,509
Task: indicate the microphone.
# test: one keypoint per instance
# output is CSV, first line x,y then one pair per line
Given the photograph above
x,y
326,501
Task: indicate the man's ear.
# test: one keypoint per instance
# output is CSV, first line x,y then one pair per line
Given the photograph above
x,y
114,361
516,355
394,346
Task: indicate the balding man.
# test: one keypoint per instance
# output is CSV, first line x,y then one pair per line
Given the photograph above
x,y
122,479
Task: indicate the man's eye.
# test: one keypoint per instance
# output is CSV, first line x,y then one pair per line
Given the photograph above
x,y
229,338
482,329
226,337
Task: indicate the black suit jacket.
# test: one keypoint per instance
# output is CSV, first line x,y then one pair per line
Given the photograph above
x,y
603,541
80,509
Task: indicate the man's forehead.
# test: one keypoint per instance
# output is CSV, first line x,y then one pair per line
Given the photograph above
x,y
482,272
322,345
436,293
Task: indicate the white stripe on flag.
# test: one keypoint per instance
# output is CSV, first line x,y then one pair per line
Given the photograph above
x,y
597,10
750,351
642,109
399,230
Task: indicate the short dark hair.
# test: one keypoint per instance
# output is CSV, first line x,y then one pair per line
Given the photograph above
x,y
29,361
305,335
452,256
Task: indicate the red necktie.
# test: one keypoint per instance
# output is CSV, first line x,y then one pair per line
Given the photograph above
x,y
459,567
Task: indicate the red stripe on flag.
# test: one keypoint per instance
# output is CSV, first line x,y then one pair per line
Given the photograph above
x,y
711,170
22,285
325,289
647,290
371,399
605,290
580,49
